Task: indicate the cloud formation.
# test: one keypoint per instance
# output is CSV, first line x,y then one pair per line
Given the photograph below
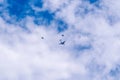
x,y
31,32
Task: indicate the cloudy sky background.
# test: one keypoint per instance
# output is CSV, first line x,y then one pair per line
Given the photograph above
x,y
31,32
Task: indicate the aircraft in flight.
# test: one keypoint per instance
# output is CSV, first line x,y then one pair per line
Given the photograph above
x,y
62,42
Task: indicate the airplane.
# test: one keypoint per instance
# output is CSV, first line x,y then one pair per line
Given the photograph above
x,y
62,35
62,42
42,37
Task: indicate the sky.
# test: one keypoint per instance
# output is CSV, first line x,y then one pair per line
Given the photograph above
x,y
59,39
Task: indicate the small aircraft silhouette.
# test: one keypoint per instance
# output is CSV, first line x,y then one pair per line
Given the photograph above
x,y
62,42
42,37
62,35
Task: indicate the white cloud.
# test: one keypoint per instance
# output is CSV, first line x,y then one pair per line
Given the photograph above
x,y
24,55
27,56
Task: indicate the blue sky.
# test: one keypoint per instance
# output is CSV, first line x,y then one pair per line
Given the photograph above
x,y
59,40
20,9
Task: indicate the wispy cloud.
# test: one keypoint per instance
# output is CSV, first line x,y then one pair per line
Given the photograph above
x,y
31,36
